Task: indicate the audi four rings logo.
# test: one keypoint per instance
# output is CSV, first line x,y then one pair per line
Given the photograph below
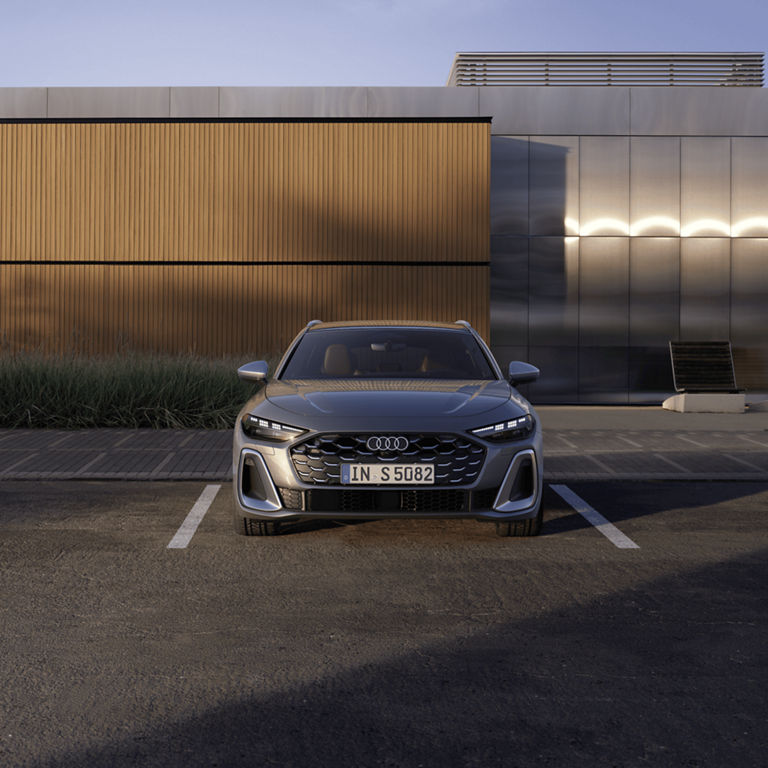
x,y
387,443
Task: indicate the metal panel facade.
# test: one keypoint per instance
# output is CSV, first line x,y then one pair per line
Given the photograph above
x,y
749,204
699,111
557,111
509,291
749,311
705,194
604,186
79,103
293,102
554,291
509,185
684,205
705,287
654,186
23,103
226,238
553,185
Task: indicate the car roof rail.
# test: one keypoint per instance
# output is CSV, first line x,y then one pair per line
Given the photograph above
x,y
465,323
313,322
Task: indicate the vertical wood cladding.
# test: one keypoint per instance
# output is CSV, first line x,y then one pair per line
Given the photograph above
x,y
226,238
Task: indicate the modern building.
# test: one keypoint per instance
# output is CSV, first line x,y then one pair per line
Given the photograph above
x,y
582,210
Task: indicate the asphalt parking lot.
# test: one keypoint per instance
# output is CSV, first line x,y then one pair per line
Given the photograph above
x,y
400,643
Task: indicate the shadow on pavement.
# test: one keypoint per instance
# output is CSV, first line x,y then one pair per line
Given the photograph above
x,y
669,674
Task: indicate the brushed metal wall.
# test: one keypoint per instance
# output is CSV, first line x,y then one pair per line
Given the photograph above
x,y
605,248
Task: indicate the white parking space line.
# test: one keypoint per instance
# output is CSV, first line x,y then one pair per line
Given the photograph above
x,y
599,463
744,462
592,516
159,468
87,466
631,442
194,518
750,440
18,463
121,443
62,440
568,443
671,463
694,442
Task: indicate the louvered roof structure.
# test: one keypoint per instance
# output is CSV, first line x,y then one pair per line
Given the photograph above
x,y
607,69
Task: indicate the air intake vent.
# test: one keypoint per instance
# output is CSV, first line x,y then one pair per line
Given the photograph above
x,y
662,69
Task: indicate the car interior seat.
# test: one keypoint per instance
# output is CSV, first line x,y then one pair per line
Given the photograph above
x,y
336,361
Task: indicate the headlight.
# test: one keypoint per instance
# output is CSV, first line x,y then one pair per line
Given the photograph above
x,y
514,429
264,429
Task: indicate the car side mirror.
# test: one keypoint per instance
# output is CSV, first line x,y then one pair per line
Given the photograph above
x,y
522,373
255,371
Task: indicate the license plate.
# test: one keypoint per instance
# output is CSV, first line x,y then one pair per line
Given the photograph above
x,y
387,474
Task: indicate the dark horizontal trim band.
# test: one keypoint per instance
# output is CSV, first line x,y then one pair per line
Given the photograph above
x,y
121,120
314,263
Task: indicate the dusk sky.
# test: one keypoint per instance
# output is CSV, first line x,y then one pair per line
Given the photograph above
x,y
338,42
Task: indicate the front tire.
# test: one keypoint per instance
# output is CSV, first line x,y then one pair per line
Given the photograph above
x,y
530,527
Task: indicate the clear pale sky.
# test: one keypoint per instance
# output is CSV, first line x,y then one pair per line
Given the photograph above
x,y
338,42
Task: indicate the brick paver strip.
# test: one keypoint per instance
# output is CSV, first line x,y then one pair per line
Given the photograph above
x,y
569,454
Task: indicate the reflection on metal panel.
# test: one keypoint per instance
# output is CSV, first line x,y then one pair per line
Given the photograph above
x,y
654,290
749,293
17,103
749,212
422,102
699,111
109,102
559,368
556,111
293,102
705,193
654,186
604,291
604,186
705,278
554,291
509,185
603,374
509,291
650,374
554,185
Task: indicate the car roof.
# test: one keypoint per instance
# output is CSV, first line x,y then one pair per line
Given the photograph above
x,y
386,324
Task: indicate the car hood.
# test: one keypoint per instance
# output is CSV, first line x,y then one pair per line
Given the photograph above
x,y
391,399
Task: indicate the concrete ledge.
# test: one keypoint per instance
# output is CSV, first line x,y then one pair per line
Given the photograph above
x,y
705,403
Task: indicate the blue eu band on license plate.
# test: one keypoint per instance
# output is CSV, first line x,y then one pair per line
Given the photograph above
x,y
387,474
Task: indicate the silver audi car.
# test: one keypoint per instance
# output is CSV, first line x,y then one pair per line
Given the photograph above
x,y
374,420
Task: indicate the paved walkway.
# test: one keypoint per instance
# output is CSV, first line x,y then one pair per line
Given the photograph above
x,y
580,443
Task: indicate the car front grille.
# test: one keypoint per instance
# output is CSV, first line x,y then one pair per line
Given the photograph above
x,y
457,459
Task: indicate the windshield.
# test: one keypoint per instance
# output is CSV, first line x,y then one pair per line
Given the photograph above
x,y
388,353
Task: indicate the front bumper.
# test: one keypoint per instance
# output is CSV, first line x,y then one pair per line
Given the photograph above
x,y
266,486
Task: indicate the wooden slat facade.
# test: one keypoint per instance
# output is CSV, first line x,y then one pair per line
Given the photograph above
x,y
227,237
